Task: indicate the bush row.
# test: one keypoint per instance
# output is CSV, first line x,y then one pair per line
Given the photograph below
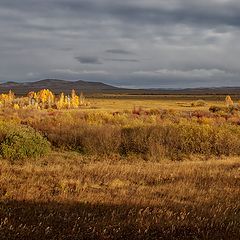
x,y
173,140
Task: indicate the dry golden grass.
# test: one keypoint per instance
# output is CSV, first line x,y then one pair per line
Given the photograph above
x,y
67,176
112,104
120,183
196,199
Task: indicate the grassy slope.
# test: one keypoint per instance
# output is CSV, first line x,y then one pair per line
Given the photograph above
x,y
67,196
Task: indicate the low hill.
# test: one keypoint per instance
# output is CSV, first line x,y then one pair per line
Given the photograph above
x,y
56,85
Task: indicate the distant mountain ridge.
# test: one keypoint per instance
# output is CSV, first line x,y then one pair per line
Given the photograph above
x,y
58,86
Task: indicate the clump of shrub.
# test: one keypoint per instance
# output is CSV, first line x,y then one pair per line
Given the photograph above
x,y
137,110
19,142
134,140
201,114
232,109
104,140
215,109
82,137
199,103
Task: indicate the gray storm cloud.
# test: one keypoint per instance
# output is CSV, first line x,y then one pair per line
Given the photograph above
x,y
88,60
135,43
119,51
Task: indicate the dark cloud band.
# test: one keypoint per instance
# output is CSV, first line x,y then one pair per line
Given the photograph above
x,y
122,60
88,60
119,51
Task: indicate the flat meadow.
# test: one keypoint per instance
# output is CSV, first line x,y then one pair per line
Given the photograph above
x,y
117,102
122,167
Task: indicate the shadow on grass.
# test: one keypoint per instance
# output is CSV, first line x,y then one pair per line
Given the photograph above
x,y
31,220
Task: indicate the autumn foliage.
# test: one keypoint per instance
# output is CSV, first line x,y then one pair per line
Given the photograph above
x,y
229,101
43,99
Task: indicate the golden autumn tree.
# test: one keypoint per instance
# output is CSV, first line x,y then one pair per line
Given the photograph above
x,y
32,98
30,94
6,100
67,102
74,100
45,98
81,99
42,99
51,99
228,101
3,98
42,96
11,96
60,102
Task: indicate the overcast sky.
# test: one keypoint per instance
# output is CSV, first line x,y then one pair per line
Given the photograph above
x,y
130,43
